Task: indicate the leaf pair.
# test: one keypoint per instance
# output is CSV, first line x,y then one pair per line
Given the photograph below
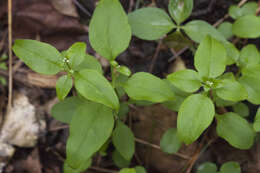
x,y
227,167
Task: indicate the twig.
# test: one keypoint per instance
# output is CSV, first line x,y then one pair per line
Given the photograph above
x,y
131,4
84,10
10,87
102,169
157,50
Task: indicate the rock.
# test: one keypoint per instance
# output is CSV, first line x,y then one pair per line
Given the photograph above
x,y
6,152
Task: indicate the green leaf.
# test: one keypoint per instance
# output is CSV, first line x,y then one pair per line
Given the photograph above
x,y
123,110
247,27
180,10
109,31
249,56
256,124
210,58
197,30
76,54
195,115
207,167
235,130
232,53
229,167
93,86
150,23
248,9
123,70
40,57
145,86
90,62
170,143
119,160
124,141
241,109
229,89
226,29
177,41
84,166
63,86
86,136
64,110
127,170
186,80
140,169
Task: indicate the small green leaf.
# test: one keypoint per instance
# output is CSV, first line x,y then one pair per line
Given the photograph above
x,y
40,57
249,56
186,80
241,109
145,86
248,9
64,110
235,130
210,58
229,167
229,89
232,53
84,166
180,10
207,167
124,70
197,30
150,23
63,86
170,143
124,141
76,54
119,160
86,135
177,41
90,62
127,170
226,29
256,124
93,86
140,169
109,31
247,27
195,115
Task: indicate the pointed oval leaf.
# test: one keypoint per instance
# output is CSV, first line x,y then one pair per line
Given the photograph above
x,y
248,9
207,167
124,141
76,54
119,160
235,130
180,10
241,109
195,115
140,169
40,57
93,86
63,86
109,31
210,58
249,56
256,124
170,142
86,136
90,62
225,29
150,23
145,86
229,167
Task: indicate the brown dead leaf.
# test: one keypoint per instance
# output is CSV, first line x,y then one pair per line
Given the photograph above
x,y
65,7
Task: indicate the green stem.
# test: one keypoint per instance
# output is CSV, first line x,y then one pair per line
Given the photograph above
x,y
113,75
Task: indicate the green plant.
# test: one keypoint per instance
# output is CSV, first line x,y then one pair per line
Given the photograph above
x,y
95,113
227,167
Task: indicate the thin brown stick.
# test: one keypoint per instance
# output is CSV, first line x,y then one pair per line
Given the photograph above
x,y
102,169
157,50
10,87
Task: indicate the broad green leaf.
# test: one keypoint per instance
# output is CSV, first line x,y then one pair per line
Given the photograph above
x,y
119,160
64,110
247,27
220,102
207,167
63,86
145,86
195,115
90,62
84,166
180,10
109,31
249,56
232,53
169,142
127,170
76,54
186,80
235,130
241,109
40,57
93,86
140,169
230,167
226,29
150,23
124,141
229,89
256,124
197,30
86,135
210,58
248,9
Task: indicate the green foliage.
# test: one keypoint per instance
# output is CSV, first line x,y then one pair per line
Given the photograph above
x,y
119,160
127,170
170,143
248,9
63,86
226,29
241,109
207,167
76,54
256,124
140,169
249,56
227,167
